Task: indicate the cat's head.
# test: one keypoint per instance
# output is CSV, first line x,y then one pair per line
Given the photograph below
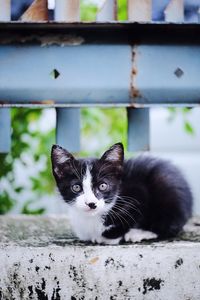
x,y
89,185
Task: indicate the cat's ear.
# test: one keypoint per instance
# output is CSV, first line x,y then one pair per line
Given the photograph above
x,y
114,154
60,157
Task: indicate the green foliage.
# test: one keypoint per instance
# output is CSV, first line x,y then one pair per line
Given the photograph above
x,y
6,203
122,10
88,11
184,112
36,145
108,126
28,211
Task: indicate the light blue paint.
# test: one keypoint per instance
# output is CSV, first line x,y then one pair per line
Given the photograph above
x,y
156,79
88,73
138,129
68,128
5,130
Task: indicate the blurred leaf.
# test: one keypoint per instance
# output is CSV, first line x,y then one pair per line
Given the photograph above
x,y
188,128
88,11
6,203
122,10
28,211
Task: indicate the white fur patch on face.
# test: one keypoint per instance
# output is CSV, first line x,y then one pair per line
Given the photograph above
x,y
87,223
88,196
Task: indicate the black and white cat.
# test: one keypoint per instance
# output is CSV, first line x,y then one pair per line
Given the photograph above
x,y
111,199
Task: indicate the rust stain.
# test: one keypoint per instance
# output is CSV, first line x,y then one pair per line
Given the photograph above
x,y
93,260
44,40
134,91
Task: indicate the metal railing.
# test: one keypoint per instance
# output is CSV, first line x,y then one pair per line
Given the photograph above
x,y
68,64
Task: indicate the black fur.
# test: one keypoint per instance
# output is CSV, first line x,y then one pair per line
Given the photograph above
x,y
152,193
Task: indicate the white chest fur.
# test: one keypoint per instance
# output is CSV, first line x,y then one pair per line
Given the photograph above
x,y
87,228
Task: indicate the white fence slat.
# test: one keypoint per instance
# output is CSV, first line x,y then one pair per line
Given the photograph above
x,y
108,11
174,11
67,10
5,10
139,10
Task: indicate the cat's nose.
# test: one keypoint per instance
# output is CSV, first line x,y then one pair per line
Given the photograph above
x,y
92,205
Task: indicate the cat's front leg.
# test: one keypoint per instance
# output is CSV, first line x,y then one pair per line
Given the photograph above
x,y
137,235
105,241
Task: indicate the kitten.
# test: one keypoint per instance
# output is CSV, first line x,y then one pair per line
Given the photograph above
x,y
111,199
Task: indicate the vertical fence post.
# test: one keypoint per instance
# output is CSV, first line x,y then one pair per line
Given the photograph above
x,y
174,11
5,120
139,10
5,10
108,11
68,119
67,10
5,130
138,119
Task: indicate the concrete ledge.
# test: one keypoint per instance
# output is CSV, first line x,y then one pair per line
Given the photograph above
x,y
40,259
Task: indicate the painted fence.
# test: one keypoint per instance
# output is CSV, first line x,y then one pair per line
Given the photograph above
x,y
68,64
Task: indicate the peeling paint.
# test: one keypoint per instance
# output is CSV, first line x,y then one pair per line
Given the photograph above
x,y
44,41
135,93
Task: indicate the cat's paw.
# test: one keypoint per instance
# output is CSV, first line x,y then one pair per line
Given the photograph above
x,y
137,235
105,241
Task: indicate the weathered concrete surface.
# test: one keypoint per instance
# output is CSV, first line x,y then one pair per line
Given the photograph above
x,y
40,259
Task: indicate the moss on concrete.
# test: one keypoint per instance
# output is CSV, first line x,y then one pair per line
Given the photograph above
x,y
40,231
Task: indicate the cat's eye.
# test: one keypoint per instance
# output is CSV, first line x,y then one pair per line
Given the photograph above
x,y
76,188
103,186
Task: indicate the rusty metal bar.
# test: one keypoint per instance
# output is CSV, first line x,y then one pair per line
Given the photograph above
x,y
139,10
174,12
68,119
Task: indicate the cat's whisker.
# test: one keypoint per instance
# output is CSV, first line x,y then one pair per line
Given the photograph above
x,y
128,198
120,217
126,201
131,205
111,216
126,212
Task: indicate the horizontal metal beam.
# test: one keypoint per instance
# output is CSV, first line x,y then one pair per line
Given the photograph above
x,y
101,32
104,75
82,74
